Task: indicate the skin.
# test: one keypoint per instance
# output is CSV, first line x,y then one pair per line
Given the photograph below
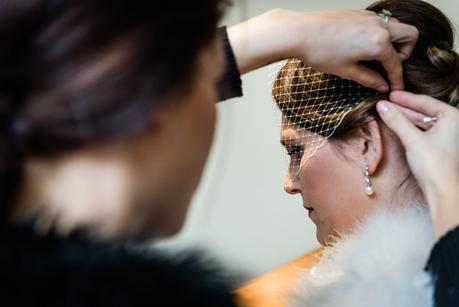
x,y
141,187
332,183
344,38
138,187
141,176
430,151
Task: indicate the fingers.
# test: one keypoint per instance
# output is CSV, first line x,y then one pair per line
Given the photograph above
x,y
367,77
419,103
414,117
393,66
398,123
404,38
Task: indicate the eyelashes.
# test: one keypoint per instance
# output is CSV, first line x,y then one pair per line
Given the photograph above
x,y
295,152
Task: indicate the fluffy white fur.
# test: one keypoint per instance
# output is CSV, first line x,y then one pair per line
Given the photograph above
x,y
381,264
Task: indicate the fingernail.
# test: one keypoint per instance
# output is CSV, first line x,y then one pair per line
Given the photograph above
x,y
383,106
383,88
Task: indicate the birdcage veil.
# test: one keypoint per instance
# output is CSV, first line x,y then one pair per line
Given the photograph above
x,y
313,105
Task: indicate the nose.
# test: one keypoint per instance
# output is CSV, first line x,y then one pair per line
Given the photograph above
x,y
291,185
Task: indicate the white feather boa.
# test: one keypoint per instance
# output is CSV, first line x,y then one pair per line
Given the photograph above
x,y
381,264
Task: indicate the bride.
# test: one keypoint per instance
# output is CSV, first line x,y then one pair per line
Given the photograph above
x,y
352,174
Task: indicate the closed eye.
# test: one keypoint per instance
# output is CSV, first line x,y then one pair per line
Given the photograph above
x,y
295,151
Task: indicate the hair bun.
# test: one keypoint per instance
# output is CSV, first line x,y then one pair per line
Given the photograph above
x,y
446,61
442,57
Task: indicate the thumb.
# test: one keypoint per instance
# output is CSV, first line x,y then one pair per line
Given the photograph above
x,y
397,122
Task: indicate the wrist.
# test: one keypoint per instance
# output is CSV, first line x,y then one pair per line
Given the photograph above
x,y
288,33
302,29
443,198
441,183
267,38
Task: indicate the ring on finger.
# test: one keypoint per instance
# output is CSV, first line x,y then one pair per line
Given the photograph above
x,y
385,15
429,120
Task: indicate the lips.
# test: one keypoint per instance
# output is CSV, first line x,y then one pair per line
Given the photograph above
x,y
309,210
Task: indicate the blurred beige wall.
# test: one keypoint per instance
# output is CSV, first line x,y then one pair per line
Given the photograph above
x,y
241,213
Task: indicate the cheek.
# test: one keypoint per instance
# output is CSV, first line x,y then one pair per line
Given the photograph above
x,y
318,191
208,115
195,151
198,129
333,187
203,126
184,150
320,180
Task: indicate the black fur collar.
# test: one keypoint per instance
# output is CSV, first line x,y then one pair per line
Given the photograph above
x,y
51,271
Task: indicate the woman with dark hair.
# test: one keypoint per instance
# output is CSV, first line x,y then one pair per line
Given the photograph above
x,y
107,116
368,192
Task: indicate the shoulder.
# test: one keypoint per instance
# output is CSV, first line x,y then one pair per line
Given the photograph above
x,y
56,271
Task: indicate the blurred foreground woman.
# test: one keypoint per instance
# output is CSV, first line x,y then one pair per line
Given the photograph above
x,y
106,126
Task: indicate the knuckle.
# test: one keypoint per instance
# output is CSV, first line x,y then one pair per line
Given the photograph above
x,y
382,38
415,31
373,82
364,79
380,41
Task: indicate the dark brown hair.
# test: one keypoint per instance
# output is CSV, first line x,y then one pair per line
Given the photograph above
x,y
432,69
75,72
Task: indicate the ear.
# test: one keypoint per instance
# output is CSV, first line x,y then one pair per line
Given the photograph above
x,y
371,145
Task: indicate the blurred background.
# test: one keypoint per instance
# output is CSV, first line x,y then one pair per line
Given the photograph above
x,y
241,214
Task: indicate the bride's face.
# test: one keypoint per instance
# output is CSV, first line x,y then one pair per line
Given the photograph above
x,y
331,183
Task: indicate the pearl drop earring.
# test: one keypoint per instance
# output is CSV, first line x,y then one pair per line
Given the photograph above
x,y
369,187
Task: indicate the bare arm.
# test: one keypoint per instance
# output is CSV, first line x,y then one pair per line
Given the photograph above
x,y
333,42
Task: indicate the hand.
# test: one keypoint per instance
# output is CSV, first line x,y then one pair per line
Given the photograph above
x,y
337,42
432,150
332,42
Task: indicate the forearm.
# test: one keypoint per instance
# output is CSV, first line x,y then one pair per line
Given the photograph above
x,y
265,39
443,198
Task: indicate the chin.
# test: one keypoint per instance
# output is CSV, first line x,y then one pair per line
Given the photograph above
x,y
172,229
321,238
166,229
157,224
